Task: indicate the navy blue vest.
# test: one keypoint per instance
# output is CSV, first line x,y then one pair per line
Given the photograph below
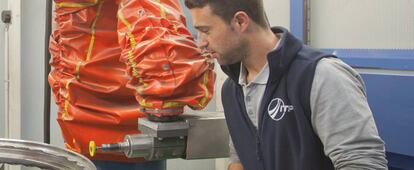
x,y
285,139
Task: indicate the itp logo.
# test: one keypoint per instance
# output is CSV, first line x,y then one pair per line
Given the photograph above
x,y
277,109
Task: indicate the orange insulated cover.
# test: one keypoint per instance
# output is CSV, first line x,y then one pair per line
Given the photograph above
x,y
112,61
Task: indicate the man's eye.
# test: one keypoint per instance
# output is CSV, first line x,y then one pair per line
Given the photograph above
x,y
205,31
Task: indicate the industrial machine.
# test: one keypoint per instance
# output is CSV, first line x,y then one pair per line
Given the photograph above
x,y
193,136
112,67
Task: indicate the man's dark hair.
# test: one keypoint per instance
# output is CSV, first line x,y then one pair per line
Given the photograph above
x,y
227,8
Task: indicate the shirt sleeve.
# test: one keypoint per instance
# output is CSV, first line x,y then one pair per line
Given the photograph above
x,y
342,118
233,157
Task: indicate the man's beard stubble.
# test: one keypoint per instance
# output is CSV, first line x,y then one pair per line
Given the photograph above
x,y
236,54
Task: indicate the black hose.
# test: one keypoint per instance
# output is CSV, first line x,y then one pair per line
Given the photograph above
x,y
46,103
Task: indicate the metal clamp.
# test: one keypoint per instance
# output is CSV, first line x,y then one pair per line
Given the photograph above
x,y
6,16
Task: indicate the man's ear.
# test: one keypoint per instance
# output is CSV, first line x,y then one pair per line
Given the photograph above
x,y
241,21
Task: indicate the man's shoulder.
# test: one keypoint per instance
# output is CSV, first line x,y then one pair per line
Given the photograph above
x,y
331,67
228,93
228,83
228,88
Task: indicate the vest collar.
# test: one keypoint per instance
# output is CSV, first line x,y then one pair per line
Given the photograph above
x,y
279,59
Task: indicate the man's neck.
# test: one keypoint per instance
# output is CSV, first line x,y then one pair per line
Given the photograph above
x,y
260,44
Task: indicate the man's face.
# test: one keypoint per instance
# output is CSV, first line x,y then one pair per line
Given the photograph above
x,y
218,37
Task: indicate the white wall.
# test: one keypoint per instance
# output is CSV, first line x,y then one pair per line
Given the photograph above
x,y
3,6
367,24
33,13
278,12
33,30
12,126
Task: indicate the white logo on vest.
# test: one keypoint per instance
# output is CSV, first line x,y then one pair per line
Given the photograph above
x,y
277,109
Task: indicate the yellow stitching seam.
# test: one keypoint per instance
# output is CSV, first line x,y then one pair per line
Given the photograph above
x,y
65,110
203,100
162,10
133,44
144,103
92,41
76,5
78,69
171,104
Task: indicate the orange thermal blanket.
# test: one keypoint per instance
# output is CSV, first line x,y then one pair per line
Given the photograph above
x,y
166,69
112,61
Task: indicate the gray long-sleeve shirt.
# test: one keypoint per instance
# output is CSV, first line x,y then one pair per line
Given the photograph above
x,y
340,115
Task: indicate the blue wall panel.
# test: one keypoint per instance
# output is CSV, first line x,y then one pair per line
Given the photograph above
x,y
296,18
391,98
399,162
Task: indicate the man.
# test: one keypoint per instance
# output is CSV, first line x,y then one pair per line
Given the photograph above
x,y
287,106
